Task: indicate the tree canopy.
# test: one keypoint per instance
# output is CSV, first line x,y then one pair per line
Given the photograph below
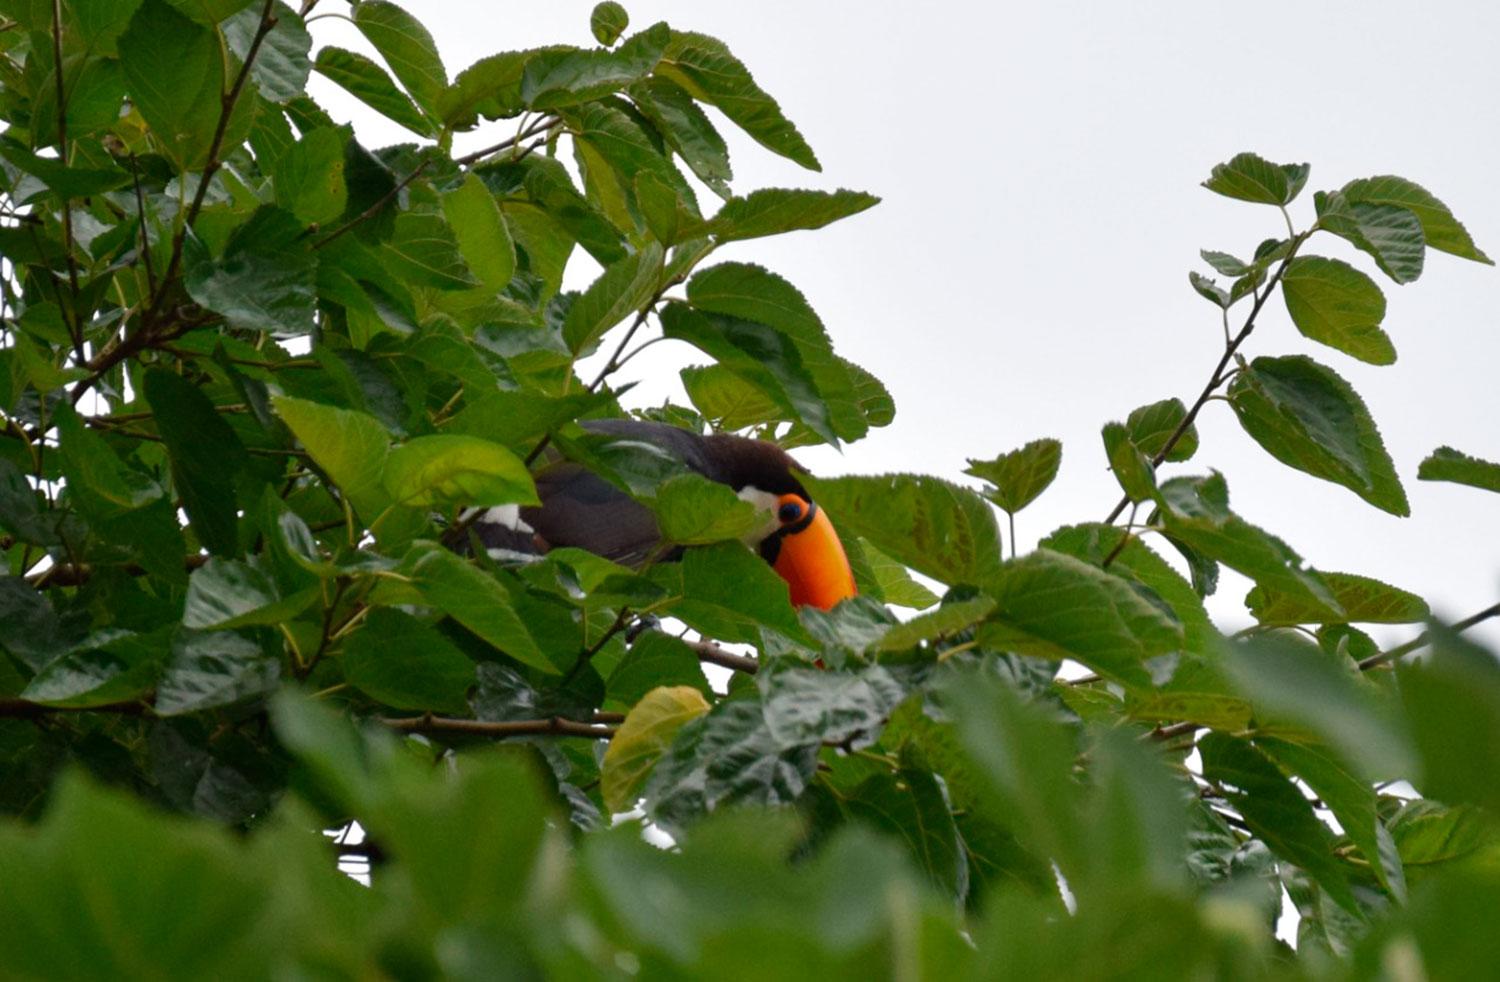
x,y
254,374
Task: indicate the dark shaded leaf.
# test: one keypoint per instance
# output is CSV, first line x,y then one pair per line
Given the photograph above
x,y
406,47
1021,475
402,662
213,669
1364,600
1151,426
772,211
370,84
1252,178
206,456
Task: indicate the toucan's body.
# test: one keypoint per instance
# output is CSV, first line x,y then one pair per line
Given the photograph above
x,y
582,510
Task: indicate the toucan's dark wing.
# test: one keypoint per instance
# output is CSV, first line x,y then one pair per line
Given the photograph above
x,y
583,510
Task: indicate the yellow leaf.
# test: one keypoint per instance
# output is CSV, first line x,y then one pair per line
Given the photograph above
x,y
642,739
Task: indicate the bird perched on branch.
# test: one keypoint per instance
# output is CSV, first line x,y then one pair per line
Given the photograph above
x,y
583,510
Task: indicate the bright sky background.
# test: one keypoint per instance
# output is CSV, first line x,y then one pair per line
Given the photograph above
x,y
1026,274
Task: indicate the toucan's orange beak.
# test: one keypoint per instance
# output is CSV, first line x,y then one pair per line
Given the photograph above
x,y
812,561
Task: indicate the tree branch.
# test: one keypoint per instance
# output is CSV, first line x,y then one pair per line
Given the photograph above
x,y
1381,657
556,726
710,652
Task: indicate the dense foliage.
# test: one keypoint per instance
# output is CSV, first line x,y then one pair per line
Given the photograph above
x,y
253,372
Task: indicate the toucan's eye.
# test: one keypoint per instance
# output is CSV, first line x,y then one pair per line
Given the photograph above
x,y
789,512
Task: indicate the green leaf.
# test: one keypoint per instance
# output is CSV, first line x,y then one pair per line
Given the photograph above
x,y
726,400
706,69
1389,233
404,663
406,47
350,446
686,128
1335,304
175,70
266,279
1021,475
1300,690
106,879
1136,561
692,510
63,181
805,705
1364,600
209,12
206,457
1452,705
750,292
309,177
1248,177
1225,264
228,593
949,619
1050,605
281,66
430,471
482,236
643,738
97,480
1307,417
910,805
480,603
490,87
1151,426
425,251
608,21
624,288
729,593
1440,229
1430,835
655,659
1447,464
556,78
728,756
1019,759
938,529
1130,466
213,669
1209,290
370,84
772,211
1275,811
101,22
759,354
896,584
115,666
1197,514
1352,802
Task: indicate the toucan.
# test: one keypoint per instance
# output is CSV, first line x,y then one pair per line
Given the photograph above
x,y
580,509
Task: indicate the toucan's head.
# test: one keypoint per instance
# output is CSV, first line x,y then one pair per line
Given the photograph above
x,y
797,540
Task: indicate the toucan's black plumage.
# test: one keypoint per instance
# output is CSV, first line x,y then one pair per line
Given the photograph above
x,y
582,510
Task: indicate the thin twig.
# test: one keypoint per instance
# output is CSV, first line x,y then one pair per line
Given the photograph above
x,y
1381,657
545,123
140,208
374,209
556,726
1216,377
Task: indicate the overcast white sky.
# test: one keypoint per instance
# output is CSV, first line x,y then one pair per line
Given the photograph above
x,y
1026,274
